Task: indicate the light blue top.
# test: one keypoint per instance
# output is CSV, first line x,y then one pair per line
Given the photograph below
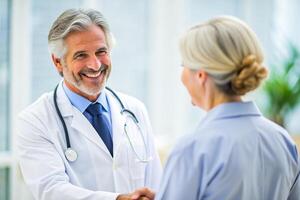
x,y
234,154
82,103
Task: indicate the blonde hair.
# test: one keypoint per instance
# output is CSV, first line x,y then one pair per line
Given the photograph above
x,y
228,50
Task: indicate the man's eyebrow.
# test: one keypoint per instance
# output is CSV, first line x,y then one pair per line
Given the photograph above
x,y
77,53
102,49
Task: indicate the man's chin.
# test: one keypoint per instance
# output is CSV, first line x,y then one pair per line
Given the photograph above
x,y
91,92
87,90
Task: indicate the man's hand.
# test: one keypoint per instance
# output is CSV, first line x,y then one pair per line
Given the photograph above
x,y
139,194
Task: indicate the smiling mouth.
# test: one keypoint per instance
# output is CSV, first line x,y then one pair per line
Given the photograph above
x,y
95,74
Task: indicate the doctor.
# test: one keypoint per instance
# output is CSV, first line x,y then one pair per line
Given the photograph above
x,y
75,143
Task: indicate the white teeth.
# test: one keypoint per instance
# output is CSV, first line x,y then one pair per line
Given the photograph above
x,y
93,75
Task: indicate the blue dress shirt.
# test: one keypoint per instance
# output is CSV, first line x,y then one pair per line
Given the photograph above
x,y
82,103
234,154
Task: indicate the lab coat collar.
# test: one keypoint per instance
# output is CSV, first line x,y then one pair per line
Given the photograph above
x,y
117,121
81,103
63,102
231,110
66,106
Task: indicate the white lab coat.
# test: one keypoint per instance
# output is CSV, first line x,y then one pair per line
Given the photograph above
x,y
95,175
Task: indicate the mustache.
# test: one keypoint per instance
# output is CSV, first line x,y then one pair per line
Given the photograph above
x,y
88,70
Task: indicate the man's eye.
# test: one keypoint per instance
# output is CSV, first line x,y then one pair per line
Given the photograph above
x,y
101,53
80,56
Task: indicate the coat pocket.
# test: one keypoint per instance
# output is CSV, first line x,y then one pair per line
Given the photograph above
x,y
136,167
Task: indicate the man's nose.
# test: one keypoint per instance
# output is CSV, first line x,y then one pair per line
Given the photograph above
x,y
94,63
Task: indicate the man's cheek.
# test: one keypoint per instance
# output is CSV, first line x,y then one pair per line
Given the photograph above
x,y
106,60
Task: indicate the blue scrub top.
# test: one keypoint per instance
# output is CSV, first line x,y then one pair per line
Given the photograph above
x,y
235,153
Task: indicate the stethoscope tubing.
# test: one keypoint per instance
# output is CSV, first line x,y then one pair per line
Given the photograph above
x,y
123,109
61,118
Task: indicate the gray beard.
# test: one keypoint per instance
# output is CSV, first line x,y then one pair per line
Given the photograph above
x,y
86,90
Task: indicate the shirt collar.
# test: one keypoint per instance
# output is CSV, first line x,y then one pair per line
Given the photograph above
x,y
233,109
81,103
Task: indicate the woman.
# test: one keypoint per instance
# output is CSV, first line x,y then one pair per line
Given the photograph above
x,y
235,152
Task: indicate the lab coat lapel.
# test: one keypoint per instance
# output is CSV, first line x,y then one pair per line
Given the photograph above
x,y
78,121
84,127
117,120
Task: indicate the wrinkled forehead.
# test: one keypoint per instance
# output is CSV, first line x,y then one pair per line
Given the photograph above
x,y
89,41
91,37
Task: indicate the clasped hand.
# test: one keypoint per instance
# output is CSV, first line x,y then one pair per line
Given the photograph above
x,y
139,194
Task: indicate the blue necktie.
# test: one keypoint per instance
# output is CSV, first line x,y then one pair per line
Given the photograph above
x,y
101,125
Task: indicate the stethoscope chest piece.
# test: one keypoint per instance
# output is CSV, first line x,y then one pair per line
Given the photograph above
x,y
71,155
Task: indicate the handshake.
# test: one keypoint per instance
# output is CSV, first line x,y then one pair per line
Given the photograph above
x,y
139,194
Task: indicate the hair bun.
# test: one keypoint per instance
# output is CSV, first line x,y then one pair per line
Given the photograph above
x,y
249,75
249,60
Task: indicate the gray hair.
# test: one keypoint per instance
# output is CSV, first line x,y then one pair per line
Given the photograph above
x,y
228,50
74,20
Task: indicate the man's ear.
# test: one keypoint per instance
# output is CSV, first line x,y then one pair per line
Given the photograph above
x,y
57,62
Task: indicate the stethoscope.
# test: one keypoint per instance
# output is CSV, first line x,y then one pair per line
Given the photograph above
x,y
72,155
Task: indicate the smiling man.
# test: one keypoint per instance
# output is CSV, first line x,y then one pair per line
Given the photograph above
x,y
85,145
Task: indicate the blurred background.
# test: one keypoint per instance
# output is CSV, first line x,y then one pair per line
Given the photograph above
x,y
146,63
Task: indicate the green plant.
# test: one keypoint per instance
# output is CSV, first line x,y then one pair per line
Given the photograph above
x,y
283,87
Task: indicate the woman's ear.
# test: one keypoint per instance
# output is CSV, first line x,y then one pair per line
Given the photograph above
x,y
201,76
57,62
